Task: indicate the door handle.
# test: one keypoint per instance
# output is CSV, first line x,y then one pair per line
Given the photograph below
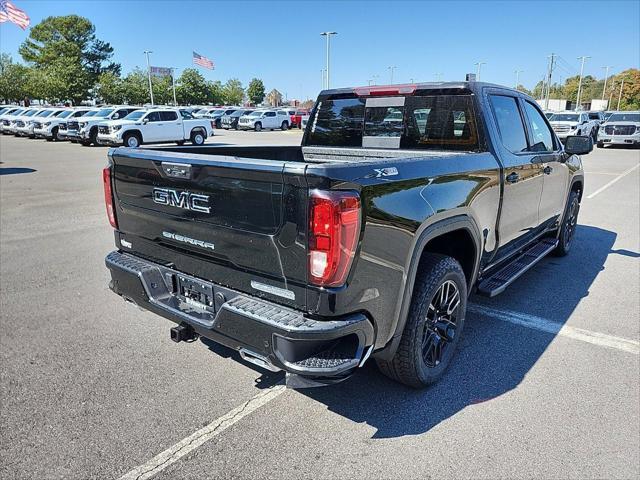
x,y
512,177
547,170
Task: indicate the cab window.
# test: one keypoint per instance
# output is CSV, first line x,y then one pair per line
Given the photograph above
x,y
153,117
542,138
510,124
168,116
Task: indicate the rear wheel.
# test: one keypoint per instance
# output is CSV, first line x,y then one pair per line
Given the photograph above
x,y
434,324
569,224
132,140
197,137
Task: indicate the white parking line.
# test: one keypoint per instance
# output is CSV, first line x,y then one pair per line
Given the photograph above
x,y
604,187
196,439
544,325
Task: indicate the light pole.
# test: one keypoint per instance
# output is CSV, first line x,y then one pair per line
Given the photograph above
x,y
479,65
375,79
322,79
606,77
147,52
583,58
518,72
620,95
391,69
173,85
328,35
438,76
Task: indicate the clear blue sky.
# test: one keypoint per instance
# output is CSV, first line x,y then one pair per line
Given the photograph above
x,y
280,42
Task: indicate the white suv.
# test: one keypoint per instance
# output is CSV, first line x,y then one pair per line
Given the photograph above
x,y
260,119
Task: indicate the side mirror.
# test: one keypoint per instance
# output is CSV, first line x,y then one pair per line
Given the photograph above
x,y
578,145
145,121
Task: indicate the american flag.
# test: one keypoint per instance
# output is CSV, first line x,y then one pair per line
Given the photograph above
x,y
10,13
204,62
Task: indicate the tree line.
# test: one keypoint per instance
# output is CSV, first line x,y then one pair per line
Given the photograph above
x,y
66,62
593,88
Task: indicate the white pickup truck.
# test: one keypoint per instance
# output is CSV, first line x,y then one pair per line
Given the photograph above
x,y
50,127
155,125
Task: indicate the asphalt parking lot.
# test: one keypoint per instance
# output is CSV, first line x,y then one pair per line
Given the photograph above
x,y
545,384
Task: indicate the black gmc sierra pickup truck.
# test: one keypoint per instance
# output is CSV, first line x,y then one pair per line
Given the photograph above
x,y
366,240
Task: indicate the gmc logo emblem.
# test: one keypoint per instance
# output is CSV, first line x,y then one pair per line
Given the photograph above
x,y
181,199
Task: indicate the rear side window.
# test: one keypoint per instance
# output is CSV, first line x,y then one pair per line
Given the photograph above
x,y
542,140
168,116
509,123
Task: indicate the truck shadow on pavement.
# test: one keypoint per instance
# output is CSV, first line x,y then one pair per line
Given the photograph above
x,y
493,356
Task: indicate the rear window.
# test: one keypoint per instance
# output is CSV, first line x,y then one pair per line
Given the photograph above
x,y
436,122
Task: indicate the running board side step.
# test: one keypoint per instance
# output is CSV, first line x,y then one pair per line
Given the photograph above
x,y
499,281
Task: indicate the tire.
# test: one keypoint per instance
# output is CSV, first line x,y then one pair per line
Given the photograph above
x,y
93,135
415,363
284,126
180,143
600,144
54,134
132,140
569,223
197,137
218,123
257,126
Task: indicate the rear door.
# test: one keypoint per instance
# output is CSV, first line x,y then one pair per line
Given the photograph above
x,y
523,177
171,126
549,155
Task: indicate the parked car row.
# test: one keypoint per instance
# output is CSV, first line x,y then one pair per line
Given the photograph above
x,y
108,125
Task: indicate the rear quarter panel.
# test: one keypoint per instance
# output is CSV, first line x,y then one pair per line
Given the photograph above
x,y
396,209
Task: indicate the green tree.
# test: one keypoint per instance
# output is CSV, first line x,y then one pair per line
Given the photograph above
x,y
162,90
233,92
630,98
135,87
255,91
110,88
214,92
191,87
67,46
523,89
13,79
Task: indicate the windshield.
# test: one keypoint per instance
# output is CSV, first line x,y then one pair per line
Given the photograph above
x,y
30,113
624,117
105,112
564,117
137,115
45,113
90,113
63,114
437,122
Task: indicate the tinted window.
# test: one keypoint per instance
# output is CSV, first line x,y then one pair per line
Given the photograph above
x,y
64,114
594,116
186,115
509,123
153,117
439,122
337,123
383,121
270,114
542,140
168,116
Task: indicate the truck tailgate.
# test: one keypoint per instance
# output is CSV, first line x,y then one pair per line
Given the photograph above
x,y
236,222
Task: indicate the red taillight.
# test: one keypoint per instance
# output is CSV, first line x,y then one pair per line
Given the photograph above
x,y
108,196
334,229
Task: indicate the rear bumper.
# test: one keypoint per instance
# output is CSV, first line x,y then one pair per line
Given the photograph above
x,y
284,338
